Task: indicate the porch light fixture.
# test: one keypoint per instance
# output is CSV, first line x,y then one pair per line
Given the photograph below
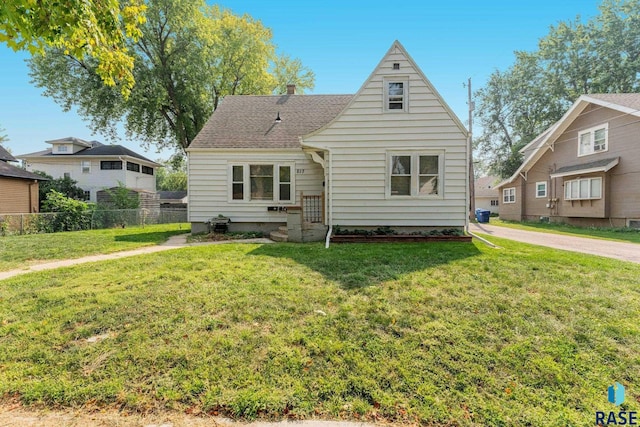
x,y
278,119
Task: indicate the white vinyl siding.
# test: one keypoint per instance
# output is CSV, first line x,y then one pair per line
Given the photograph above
x,y
211,182
366,132
509,195
583,189
593,140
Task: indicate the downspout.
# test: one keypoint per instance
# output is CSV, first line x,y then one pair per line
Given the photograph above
x,y
329,198
467,197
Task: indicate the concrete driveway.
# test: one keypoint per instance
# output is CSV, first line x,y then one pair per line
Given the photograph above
x,y
606,248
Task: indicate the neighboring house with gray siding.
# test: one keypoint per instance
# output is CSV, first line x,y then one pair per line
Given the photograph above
x,y
94,166
393,154
583,170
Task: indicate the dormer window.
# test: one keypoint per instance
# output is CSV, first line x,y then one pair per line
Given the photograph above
x,y
593,140
62,148
396,92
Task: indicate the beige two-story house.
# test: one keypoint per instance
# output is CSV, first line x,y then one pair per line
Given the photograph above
x,y
583,170
95,166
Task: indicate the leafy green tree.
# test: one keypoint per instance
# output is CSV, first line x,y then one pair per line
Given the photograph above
x,y
173,176
190,56
96,29
291,71
575,58
66,186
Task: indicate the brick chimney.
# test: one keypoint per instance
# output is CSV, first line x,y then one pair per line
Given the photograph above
x,y
291,89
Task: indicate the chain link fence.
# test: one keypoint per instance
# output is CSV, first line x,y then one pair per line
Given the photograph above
x,y
34,223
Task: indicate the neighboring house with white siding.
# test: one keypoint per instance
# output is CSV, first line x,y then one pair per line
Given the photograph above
x,y
393,154
93,165
486,194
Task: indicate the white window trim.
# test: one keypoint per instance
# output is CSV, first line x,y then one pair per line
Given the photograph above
x,y
405,93
82,162
505,195
415,176
544,196
592,132
577,182
247,183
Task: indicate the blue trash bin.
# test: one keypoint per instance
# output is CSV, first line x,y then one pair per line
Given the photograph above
x,y
482,215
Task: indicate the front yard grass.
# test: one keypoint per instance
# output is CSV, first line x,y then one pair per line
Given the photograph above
x,y
623,234
20,251
436,334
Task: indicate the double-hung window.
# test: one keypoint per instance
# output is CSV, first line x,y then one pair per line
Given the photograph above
x,y
541,189
509,195
415,174
593,140
86,166
583,189
261,182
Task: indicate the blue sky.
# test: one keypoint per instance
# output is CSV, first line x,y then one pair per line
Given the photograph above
x,y
341,41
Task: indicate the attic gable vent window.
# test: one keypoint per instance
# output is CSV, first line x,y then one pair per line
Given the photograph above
x,y
396,94
396,65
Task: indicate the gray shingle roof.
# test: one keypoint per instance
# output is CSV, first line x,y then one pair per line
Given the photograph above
x,y
585,166
11,171
629,100
97,149
5,156
242,121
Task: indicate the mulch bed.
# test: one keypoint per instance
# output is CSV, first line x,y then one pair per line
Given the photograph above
x,y
349,238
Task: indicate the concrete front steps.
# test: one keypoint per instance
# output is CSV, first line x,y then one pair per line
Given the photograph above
x,y
280,235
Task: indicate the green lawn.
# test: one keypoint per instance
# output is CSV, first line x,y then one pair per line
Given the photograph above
x,y
622,234
436,334
20,251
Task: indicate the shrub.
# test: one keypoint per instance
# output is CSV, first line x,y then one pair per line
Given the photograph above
x,y
71,214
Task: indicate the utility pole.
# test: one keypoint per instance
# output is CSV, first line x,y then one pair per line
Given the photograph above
x,y
472,203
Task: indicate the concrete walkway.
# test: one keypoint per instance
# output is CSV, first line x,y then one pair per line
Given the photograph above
x,y
606,248
18,416
178,241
